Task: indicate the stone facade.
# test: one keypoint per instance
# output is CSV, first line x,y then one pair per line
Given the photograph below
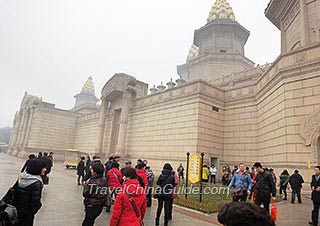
x,y
222,105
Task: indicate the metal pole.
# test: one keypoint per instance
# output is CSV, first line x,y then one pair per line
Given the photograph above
x,y
201,171
187,174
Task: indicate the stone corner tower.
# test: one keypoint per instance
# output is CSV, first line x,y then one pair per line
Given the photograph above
x,y
87,95
218,47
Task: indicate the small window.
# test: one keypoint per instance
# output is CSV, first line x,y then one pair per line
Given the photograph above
x,y
223,51
214,108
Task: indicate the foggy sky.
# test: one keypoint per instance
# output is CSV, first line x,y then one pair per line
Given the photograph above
x,y
49,48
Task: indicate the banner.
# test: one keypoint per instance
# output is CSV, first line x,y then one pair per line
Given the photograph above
x,y
194,168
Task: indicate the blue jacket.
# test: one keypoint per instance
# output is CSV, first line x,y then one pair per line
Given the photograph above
x,y
241,181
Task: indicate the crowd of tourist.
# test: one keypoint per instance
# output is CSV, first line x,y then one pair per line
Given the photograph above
x,y
130,190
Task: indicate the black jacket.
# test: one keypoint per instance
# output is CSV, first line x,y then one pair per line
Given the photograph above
x,y
265,183
296,180
315,196
81,168
166,184
27,194
94,192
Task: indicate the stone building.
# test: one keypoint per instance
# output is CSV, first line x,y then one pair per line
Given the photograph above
x,y
223,104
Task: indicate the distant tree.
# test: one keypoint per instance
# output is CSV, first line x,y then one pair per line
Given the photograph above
x,y
5,134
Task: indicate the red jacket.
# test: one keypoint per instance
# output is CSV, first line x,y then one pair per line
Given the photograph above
x,y
142,173
123,213
114,178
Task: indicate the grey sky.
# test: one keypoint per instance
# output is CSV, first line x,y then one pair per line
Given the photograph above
x,y
49,48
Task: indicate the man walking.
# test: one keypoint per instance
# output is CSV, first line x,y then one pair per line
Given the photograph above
x,y
242,184
296,181
315,196
265,186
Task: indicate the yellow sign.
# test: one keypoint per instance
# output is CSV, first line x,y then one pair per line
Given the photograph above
x,y
309,164
194,168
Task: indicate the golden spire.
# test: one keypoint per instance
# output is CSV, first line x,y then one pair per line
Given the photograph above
x,y
221,10
88,87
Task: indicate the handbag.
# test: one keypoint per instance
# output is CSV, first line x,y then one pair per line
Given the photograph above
x,y
274,211
135,208
239,192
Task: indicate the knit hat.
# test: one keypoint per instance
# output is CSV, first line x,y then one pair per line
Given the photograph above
x,y
35,166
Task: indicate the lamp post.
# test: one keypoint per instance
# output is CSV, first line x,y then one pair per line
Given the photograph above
x,y
187,175
201,171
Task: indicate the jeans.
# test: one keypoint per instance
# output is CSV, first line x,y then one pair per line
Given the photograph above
x,y
167,203
315,212
283,188
296,191
80,176
263,198
92,212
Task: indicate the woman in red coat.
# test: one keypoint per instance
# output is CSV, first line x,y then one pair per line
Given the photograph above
x,y
123,212
141,172
114,178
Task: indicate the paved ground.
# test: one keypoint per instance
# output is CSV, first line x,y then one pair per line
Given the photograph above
x,y
62,199
62,202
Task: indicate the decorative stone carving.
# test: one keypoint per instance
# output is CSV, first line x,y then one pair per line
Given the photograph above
x,y
310,129
171,84
118,83
153,90
161,87
180,81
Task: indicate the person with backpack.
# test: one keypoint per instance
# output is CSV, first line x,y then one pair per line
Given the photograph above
x,y
27,192
296,181
130,205
241,184
164,193
265,186
94,193
284,180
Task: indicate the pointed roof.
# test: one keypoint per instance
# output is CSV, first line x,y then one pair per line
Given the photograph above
x,y
221,10
88,87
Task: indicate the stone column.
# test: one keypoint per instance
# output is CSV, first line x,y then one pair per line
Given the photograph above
x,y
21,128
26,140
305,32
15,129
123,122
101,126
24,129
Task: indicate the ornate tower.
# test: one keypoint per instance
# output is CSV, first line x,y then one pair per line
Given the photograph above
x,y
218,47
87,95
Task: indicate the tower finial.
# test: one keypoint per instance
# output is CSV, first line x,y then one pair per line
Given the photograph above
x,y
221,10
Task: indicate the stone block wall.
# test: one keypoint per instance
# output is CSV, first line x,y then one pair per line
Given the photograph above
x,y
52,129
86,133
